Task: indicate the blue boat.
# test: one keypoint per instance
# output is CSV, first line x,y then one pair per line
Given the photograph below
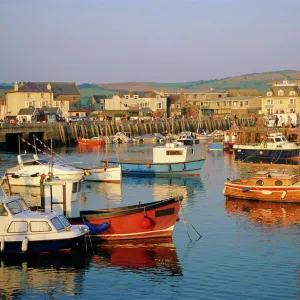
x,y
171,159
216,146
275,147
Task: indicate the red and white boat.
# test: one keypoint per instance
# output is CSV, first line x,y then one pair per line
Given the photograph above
x,y
97,140
148,220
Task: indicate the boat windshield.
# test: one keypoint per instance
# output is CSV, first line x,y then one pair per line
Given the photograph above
x,y
14,207
64,220
57,223
43,162
23,204
278,140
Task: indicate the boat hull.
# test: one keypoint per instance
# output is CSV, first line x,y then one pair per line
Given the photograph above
x,y
110,174
36,181
42,246
191,168
188,142
216,146
262,153
90,142
288,194
150,220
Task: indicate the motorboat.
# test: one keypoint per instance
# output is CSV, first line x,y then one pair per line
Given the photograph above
x,y
265,186
274,146
187,138
30,168
153,138
168,160
26,231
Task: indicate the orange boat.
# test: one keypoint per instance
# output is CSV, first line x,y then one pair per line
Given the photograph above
x,y
265,186
266,213
97,140
148,220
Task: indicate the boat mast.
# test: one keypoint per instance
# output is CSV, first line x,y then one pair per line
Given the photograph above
x,y
106,143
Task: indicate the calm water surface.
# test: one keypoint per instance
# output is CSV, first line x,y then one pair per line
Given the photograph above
x,y
248,250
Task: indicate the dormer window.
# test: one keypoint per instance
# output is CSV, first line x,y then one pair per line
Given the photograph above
x,y
127,97
136,96
269,93
157,96
281,93
292,93
285,82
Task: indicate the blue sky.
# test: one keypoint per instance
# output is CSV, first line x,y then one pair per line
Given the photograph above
x,y
100,41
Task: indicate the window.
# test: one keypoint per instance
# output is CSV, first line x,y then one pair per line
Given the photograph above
x,y
23,204
281,93
39,226
127,97
241,104
246,102
64,220
157,96
281,101
159,105
136,96
57,104
14,207
269,101
18,227
147,104
178,105
57,224
27,103
174,152
195,96
42,95
33,103
292,101
292,93
28,95
101,107
269,111
269,93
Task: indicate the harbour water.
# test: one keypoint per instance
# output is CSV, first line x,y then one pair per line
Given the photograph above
x,y
247,250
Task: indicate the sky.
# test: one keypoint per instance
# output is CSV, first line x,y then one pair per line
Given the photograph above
x,y
105,41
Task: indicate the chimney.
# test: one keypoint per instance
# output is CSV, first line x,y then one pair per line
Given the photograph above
x,y
16,87
49,86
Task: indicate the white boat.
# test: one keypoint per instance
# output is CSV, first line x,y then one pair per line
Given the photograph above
x,y
153,138
26,231
187,138
106,172
168,160
30,168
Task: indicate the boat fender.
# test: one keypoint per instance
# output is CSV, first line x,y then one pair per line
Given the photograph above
x,y
2,244
261,152
146,222
43,176
94,229
246,189
183,167
169,168
86,173
25,244
15,176
148,166
283,194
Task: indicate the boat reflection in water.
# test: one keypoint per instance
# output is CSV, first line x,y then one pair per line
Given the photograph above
x,y
168,187
59,274
265,213
155,256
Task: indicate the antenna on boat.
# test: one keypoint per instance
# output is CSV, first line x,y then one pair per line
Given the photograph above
x,y
34,145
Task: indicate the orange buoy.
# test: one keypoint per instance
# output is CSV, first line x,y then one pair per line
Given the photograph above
x,y
146,222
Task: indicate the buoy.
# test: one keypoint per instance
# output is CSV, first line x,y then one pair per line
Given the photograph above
x,y
206,145
283,194
261,153
2,244
148,166
246,189
25,244
146,222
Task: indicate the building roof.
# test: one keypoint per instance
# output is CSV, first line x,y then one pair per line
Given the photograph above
x,y
49,110
27,111
58,88
232,98
285,89
194,91
98,98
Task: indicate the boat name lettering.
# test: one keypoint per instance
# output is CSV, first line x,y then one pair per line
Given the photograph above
x,y
174,152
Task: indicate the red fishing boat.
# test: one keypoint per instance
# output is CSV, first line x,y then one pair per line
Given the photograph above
x,y
148,220
97,140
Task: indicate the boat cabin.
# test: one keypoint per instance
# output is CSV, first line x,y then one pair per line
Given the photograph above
x,y
172,153
266,178
276,139
16,218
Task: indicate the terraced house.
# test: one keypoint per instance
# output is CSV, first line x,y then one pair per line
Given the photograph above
x,y
41,94
282,97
